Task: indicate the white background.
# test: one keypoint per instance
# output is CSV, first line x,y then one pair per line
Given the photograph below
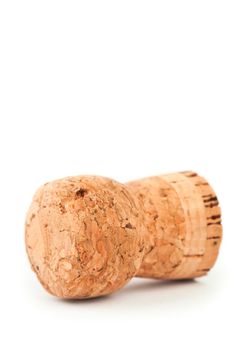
x,y
124,89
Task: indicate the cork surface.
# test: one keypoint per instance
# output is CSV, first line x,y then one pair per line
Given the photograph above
x,y
88,236
183,220
81,236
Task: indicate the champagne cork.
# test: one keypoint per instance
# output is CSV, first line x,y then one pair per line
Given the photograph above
x,y
87,236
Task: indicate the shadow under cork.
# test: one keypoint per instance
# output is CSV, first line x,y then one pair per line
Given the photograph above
x,y
147,291
151,284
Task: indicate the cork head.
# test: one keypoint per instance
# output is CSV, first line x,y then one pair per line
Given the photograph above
x,y
83,236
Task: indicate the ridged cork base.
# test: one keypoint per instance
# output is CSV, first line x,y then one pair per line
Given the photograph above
x,y
183,221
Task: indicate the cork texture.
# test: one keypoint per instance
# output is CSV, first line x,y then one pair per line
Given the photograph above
x,y
80,236
87,236
183,220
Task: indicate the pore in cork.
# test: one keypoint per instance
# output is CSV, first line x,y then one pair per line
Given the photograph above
x,y
87,236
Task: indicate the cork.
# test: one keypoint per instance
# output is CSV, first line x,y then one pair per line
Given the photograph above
x,y
183,224
88,236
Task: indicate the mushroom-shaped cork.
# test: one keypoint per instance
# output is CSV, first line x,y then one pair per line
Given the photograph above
x,y
87,236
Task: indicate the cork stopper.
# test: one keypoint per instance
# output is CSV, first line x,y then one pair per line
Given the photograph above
x,y
87,236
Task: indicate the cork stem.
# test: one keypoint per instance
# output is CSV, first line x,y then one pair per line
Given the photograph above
x,y
183,225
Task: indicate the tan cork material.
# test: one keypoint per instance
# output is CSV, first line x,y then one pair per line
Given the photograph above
x,y
183,220
87,236
82,236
